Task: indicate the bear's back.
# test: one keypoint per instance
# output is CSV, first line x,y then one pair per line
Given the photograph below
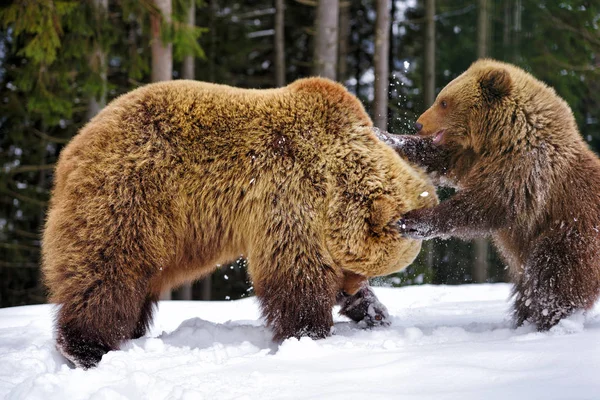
x,y
218,144
182,112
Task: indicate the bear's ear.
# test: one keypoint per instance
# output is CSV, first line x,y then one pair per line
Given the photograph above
x,y
495,84
383,210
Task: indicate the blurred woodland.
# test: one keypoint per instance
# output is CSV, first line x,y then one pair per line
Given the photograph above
x,y
61,61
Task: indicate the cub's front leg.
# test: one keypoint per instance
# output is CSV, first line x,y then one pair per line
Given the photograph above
x,y
466,215
418,150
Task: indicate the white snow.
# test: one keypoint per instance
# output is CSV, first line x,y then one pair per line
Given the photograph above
x,y
445,342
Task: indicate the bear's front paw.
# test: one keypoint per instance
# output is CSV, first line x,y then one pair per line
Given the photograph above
x,y
80,352
364,308
412,226
377,315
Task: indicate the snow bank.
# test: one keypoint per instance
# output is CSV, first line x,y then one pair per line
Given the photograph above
x,y
444,343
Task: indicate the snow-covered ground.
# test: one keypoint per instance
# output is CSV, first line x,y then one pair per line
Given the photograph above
x,y
445,342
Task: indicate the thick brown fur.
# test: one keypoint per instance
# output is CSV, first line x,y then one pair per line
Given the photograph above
x,y
524,175
174,178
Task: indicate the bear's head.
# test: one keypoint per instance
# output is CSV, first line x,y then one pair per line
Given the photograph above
x,y
464,107
369,186
365,210
494,110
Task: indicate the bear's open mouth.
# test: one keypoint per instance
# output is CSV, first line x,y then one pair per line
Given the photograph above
x,y
439,135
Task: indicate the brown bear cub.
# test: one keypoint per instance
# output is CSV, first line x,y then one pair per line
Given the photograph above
x,y
174,178
524,176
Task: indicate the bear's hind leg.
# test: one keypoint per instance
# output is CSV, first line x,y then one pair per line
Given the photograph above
x,y
95,319
145,318
559,278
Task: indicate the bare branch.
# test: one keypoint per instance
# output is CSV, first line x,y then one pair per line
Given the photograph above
x,y
311,3
49,138
30,168
257,13
6,264
17,246
437,17
26,234
26,199
584,33
579,68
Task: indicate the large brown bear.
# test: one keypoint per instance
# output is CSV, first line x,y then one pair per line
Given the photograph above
x,y
524,176
174,178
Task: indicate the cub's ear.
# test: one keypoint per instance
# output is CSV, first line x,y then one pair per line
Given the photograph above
x,y
383,210
495,84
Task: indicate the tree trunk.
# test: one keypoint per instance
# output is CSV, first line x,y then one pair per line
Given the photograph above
x,y
392,41
483,30
206,288
382,48
507,27
429,52
279,43
326,39
516,30
429,93
358,57
480,266
212,48
98,58
162,53
188,68
162,59
343,41
482,246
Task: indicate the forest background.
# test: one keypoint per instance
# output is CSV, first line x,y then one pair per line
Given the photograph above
x,y
62,61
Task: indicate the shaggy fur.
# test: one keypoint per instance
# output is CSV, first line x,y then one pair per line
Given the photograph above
x,y
511,147
176,177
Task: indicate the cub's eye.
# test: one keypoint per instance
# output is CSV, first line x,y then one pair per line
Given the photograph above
x,y
444,104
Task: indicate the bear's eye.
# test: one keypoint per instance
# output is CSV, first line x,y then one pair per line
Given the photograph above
x,y
443,104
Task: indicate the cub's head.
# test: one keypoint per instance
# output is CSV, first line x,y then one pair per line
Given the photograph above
x,y
496,111
470,108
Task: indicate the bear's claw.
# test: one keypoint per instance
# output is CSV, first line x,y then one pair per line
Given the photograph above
x,y
414,226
